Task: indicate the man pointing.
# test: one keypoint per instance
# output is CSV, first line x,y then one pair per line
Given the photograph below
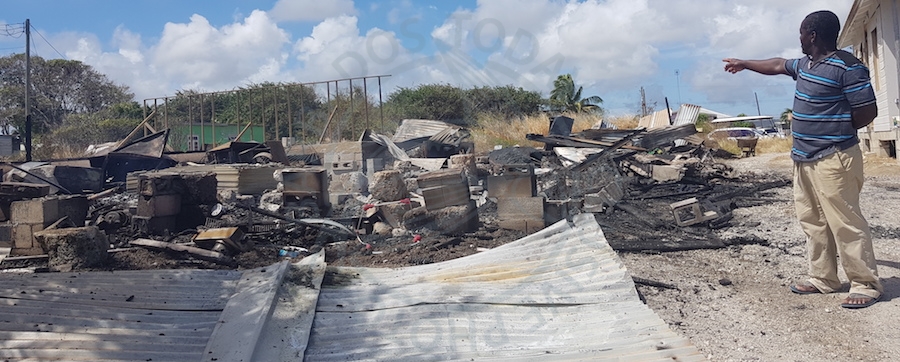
x,y
833,99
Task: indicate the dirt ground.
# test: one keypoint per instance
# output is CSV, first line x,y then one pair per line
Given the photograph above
x,y
734,303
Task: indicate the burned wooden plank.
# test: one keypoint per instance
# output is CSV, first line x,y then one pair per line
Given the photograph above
x,y
199,253
569,141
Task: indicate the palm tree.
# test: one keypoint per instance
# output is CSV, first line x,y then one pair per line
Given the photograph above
x,y
564,97
786,117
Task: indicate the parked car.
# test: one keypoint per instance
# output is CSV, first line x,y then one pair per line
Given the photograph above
x,y
733,133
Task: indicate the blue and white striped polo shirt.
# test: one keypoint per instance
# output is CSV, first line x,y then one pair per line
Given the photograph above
x,y
827,91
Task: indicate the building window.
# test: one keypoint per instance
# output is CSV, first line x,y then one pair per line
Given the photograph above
x,y
194,143
876,61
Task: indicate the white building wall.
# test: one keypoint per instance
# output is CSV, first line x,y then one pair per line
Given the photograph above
x,y
885,66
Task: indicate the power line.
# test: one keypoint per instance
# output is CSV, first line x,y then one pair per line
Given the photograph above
x,y
13,30
48,43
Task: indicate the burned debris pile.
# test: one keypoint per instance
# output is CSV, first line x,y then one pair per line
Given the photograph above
x,y
417,197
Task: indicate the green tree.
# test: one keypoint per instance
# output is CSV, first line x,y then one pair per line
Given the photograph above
x,y
786,117
506,101
284,109
441,102
703,123
60,88
566,97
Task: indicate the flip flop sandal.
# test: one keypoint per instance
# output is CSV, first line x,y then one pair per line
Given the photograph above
x,y
863,305
796,289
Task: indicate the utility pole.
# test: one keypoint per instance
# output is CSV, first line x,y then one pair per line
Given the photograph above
x,y
28,90
643,103
678,84
758,113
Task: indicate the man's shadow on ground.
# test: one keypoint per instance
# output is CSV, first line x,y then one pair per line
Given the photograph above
x,y
892,284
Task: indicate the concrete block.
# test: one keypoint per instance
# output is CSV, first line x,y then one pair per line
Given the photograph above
x,y
304,182
526,225
374,165
456,220
687,212
465,162
349,182
667,173
23,235
159,205
439,178
336,198
512,185
337,163
158,184
72,248
608,196
162,225
556,210
393,213
447,195
6,235
75,208
451,220
511,208
388,186
43,211
199,188
37,250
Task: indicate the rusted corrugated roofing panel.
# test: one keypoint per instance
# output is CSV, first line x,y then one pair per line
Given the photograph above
x,y
162,315
559,294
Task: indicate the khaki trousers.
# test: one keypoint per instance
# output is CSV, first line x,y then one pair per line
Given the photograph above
x,y
826,198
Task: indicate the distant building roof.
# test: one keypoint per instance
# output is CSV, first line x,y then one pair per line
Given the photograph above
x,y
743,118
715,114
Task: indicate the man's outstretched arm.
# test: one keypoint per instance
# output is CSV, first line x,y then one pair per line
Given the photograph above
x,y
768,67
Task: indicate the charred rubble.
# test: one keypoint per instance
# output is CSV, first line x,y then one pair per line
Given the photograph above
x,y
419,196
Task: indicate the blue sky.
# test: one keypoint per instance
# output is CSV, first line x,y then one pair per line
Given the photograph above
x,y
611,47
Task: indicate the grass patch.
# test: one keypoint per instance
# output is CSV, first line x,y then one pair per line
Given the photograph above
x,y
765,145
491,130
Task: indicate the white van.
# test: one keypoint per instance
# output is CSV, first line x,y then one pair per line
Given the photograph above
x,y
733,133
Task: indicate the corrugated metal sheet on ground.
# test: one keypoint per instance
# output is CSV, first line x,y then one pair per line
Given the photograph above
x,y
559,294
161,315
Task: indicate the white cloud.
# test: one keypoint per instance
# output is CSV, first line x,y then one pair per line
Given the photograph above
x,y
196,53
622,44
612,47
336,49
311,10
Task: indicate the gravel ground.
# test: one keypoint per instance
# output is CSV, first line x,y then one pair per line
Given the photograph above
x,y
734,303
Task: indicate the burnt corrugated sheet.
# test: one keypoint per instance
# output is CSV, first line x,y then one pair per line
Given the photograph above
x,y
411,129
559,294
162,315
